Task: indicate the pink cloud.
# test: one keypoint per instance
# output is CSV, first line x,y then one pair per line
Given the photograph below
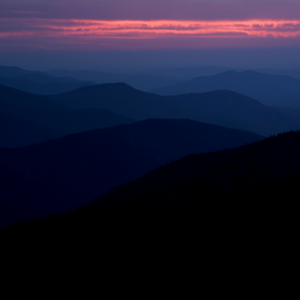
x,y
26,33
154,28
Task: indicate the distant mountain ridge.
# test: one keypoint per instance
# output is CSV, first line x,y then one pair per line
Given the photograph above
x,y
28,118
268,89
139,81
138,105
187,73
40,83
60,81
107,105
285,72
13,72
23,99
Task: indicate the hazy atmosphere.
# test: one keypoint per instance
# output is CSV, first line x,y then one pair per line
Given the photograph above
x,y
146,130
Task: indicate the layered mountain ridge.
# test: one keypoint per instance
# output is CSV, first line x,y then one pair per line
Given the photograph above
x,y
266,88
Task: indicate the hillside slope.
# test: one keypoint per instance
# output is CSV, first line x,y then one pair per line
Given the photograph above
x,y
26,100
16,132
67,121
79,168
250,192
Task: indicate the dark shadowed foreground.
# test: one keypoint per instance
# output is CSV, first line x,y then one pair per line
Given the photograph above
x,y
61,174
251,189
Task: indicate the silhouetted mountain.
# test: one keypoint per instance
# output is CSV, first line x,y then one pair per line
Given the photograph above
x,y
268,89
121,99
16,132
139,81
46,78
188,73
68,121
35,76
12,72
22,99
57,175
50,88
222,108
38,82
285,72
257,116
251,190
50,118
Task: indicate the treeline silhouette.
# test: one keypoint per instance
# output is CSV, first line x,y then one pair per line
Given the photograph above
x,y
253,187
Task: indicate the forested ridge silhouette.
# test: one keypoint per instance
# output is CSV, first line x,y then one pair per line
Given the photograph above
x,y
253,186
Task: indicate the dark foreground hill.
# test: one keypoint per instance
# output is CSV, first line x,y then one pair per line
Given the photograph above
x,y
16,132
253,188
266,88
67,121
58,175
223,108
24,127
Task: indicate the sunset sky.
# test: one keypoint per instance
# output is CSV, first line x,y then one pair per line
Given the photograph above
x,y
149,33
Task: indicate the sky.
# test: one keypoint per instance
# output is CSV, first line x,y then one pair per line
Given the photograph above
x,y
136,34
